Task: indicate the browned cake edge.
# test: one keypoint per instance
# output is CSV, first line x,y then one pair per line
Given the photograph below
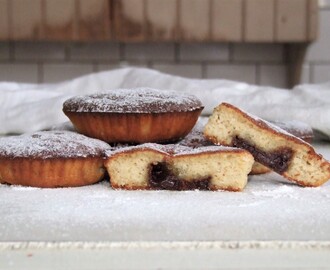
x,y
51,172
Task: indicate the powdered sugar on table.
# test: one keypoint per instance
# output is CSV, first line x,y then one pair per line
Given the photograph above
x,y
269,208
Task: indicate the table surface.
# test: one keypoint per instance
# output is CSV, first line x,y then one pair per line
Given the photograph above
x,y
272,224
269,208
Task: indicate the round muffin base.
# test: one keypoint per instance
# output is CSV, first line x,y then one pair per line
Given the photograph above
x,y
135,127
51,173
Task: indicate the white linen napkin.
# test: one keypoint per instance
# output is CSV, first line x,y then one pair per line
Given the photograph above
x,y
30,107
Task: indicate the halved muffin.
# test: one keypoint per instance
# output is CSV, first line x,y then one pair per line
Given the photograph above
x,y
270,145
175,167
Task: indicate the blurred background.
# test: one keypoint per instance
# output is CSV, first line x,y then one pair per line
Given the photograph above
x,y
279,43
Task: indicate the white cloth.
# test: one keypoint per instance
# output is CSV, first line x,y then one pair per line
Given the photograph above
x,y
29,107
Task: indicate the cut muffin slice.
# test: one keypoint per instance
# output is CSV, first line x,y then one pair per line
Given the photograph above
x,y
271,146
197,139
173,167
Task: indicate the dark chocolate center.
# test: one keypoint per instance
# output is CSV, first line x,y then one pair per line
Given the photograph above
x,y
161,177
278,160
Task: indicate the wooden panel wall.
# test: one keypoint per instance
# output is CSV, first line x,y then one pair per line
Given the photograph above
x,y
25,20
194,22
4,20
160,20
93,20
313,19
60,20
226,20
259,20
129,20
291,20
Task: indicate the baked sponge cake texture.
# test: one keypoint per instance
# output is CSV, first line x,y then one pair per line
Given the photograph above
x,y
174,167
271,146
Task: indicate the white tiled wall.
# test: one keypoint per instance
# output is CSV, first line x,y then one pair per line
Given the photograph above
x,y
238,72
204,52
97,51
185,70
40,51
263,64
274,75
4,51
19,72
64,71
258,53
149,52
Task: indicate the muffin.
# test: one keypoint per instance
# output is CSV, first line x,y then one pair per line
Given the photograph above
x,y
51,159
175,167
134,115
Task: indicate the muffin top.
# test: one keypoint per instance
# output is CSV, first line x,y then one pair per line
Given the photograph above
x,y
137,100
51,144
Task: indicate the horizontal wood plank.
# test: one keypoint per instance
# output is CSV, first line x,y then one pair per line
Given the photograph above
x,y
4,19
26,22
94,20
313,19
259,21
60,20
226,20
291,21
161,20
129,20
194,20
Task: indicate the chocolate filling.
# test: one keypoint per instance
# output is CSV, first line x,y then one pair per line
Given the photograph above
x,y
278,160
161,177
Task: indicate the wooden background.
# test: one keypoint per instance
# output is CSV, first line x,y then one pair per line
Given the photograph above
x,y
159,20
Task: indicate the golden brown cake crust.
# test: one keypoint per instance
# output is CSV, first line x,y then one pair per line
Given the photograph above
x,y
134,115
51,159
135,127
51,173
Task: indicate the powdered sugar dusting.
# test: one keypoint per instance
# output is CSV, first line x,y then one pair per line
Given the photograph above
x,y
269,208
172,149
196,138
51,144
297,128
183,150
266,210
138,100
141,147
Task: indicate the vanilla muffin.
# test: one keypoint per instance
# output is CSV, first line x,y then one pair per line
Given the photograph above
x,y
134,115
197,139
51,159
271,146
